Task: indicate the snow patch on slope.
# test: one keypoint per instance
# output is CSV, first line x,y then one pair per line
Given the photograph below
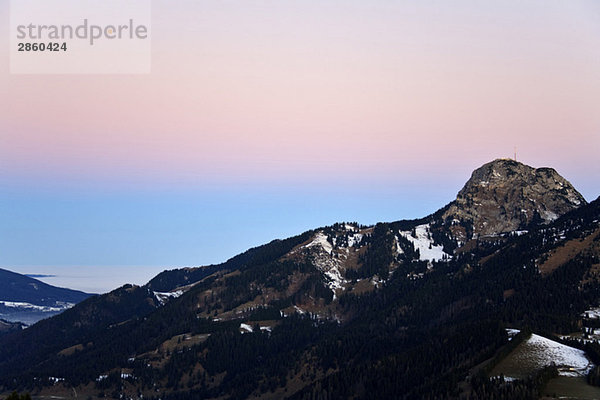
x,y
246,328
336,279
423,242
163,297
542,352
327,262
28,306
355,239
593,313
512,333
397,245
320,240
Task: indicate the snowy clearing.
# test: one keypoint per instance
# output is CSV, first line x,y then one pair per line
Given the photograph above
x,y
423,242
538,352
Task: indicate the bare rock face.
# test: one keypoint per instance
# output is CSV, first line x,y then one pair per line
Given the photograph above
x,y
506,195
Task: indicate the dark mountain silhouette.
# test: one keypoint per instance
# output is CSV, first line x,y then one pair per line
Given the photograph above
x,y
28,300
406,309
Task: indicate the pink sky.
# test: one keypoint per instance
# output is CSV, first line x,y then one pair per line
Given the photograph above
x,y
274,89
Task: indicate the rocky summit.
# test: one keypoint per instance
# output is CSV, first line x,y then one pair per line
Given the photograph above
x,y
505,195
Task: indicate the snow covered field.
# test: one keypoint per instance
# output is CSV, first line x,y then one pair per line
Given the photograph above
x,y
544,352
538,352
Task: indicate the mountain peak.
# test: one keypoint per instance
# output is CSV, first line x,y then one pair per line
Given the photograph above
x,y
505,195
500,168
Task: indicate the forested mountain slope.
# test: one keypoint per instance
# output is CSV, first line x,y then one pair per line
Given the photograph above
x,y
396,310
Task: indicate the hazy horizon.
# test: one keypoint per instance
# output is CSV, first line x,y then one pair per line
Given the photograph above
x,y
91,279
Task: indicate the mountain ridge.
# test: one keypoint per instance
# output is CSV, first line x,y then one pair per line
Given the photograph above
x,y
25,299
346,309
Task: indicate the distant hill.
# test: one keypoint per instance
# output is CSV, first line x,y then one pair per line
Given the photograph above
x,y
25,299
8,327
